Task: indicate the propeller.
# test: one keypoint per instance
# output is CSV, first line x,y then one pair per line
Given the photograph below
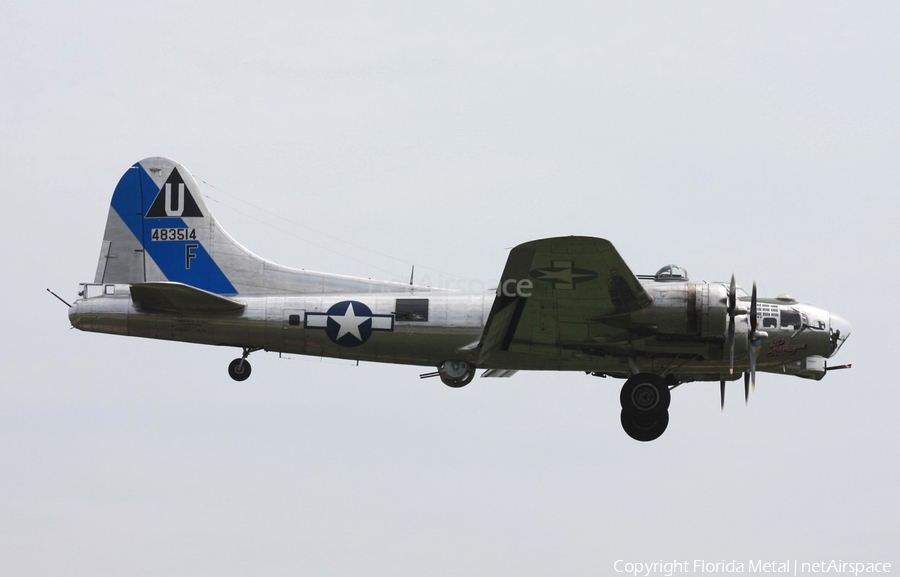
x,y
722,391
754,336
753,349
746,390
732,312
732,306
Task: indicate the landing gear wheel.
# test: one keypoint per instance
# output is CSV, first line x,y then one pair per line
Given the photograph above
x,y
239,369
645,395
642,429
456,374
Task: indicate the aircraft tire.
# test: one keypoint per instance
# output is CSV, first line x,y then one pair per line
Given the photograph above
x,y
455,383
456,374
238,372
641,429
645,394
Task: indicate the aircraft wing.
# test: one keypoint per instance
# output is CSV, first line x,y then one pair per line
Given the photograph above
x,y
555,292
178,297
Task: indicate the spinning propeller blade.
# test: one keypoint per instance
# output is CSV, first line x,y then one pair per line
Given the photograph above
x,y
732,305
754,336
754,323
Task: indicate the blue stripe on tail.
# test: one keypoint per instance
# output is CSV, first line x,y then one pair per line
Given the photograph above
x,y
192,266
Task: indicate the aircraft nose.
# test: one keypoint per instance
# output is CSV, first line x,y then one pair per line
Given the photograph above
x,y
840,330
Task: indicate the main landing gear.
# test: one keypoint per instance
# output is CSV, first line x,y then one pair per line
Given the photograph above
x,y
239,369
645,401
454,374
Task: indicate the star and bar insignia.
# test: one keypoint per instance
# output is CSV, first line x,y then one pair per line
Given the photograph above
x,y
349,323
563,274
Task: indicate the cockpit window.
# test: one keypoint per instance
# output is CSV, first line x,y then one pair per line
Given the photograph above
x,y
671,272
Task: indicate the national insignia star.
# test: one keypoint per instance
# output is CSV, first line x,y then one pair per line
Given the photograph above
x,y
349,323
563,274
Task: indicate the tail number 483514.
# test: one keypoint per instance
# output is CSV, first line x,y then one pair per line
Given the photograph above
x,y
173,234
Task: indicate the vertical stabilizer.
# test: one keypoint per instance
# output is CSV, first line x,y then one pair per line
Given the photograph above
x,y
159,229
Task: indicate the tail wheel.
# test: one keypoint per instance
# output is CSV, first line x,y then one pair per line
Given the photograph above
x,y
239,369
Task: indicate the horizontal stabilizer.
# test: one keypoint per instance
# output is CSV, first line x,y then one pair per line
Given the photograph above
x,y
178,297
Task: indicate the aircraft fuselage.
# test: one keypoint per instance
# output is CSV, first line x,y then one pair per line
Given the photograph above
x,y
680,333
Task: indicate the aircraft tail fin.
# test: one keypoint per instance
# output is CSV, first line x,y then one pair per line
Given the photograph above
x,y
159,229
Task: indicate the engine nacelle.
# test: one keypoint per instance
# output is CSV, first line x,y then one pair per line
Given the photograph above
x,y
689,309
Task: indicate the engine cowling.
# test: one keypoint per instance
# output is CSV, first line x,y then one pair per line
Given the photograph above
x,y
693,309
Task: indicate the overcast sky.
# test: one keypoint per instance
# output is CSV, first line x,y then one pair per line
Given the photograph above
x,y
362,138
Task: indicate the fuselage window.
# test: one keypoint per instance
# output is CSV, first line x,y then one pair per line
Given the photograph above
x,y
411,310
790,319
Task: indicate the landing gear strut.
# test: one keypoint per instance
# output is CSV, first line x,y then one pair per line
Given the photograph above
x,y
645,401
239,369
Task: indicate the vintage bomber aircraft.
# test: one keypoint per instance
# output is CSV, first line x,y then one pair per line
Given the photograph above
x,y
167,270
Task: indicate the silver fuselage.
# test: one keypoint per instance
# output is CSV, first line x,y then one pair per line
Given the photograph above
x,y
680,333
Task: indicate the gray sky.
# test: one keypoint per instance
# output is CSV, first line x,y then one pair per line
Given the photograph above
x,y
758,138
